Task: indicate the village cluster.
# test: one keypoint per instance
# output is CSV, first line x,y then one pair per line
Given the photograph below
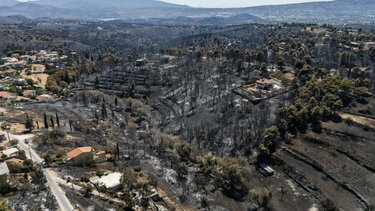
x,y
23,77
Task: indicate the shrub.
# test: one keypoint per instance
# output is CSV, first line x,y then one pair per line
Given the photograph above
x,y
99,173
328,205
85,179
13,142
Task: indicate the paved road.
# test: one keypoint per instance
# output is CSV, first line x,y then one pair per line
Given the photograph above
x,y
59,194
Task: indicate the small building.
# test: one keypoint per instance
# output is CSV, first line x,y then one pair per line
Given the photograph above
x,y
3,67
45,98
45,59
10,151
7,96
10,72
28,93
354,44
63,57
2,136
24,58
140,62
19,64
32,58
42,53
100,156
266,170
110,181
81,156
264,83
4,170
19,82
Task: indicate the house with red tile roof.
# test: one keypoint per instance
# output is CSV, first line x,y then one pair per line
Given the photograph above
x,y
264,83
10,72
19,64
7,96
81,156
28,93
44,98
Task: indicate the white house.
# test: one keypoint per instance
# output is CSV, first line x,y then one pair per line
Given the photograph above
x,y
110,181
4,169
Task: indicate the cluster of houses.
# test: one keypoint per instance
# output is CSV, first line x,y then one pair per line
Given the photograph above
x,y
18,61
8,97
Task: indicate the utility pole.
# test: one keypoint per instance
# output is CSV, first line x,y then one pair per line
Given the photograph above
x,y
30,153
75,202
8,135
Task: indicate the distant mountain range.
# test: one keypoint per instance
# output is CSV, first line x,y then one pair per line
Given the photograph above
x,y
338,11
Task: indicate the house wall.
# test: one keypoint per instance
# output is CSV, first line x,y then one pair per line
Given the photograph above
x,y
84,159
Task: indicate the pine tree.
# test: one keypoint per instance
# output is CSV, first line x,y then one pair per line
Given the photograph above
x,y
104,111
45,121
29,122
53,124
57,121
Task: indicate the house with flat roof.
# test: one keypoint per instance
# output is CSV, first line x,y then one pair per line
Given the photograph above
x,y
4,170
266,170
10,151
110,181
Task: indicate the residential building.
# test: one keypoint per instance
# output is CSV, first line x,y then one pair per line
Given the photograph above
x,y
81,156
19,64
10,151
29,93
19,82
7,96
10,72
42,53
110,181
100,156
370,44
266,170
45,98
264,83
24,58
2,136
4,170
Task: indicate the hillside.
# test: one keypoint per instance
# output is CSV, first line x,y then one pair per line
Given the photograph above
x,y
339,11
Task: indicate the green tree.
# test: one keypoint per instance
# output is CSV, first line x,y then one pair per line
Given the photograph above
x,y
3,206
29,122
45,121
205,203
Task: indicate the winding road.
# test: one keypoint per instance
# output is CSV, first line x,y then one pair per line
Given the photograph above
x,y
59,194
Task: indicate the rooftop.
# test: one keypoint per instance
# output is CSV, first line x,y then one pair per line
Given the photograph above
x,y
4,169
78,151
10,151
6,95
264,81
110,181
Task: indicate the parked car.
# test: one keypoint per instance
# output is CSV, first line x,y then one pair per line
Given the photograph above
x,y
44,164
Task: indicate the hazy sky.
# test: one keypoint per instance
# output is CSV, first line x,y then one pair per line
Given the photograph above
x,y
234,3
